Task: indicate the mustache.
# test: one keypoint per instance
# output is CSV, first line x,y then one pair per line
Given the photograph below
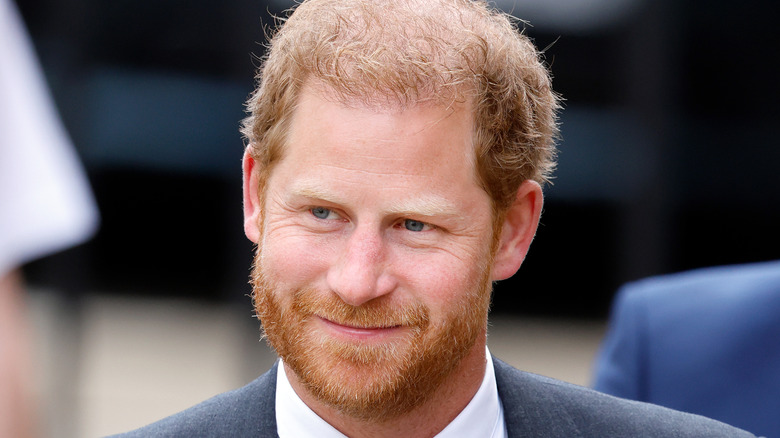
x,y
377,313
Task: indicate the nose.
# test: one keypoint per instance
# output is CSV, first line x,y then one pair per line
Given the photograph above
x,y
360,273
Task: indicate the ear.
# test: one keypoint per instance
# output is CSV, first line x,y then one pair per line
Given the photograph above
x,y
518,230
252,207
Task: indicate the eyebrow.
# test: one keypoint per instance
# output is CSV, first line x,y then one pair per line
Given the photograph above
x,y
422,205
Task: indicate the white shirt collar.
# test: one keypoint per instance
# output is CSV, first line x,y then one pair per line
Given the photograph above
x,y
294,419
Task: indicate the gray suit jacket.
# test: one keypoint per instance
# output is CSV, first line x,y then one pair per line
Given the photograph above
x,y
534,406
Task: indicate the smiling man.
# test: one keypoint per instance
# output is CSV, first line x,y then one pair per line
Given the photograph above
x,y
373,277
396,152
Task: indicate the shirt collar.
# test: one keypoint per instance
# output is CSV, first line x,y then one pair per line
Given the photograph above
x,y
295,419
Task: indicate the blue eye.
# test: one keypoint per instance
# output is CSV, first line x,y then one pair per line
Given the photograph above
x,y
320,212
413,225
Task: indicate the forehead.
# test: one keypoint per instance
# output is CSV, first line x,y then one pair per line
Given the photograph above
x,y
427,148
325,122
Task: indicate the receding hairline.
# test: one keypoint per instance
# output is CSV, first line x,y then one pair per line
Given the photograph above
x,y
515,108
428,205
414,57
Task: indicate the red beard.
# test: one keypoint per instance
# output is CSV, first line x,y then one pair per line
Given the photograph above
x,y
369,381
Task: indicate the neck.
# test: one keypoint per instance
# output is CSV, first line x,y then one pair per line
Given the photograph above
x,y
424,421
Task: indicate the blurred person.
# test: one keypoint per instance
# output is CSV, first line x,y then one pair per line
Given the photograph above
x,y
396,151
45,207
705,341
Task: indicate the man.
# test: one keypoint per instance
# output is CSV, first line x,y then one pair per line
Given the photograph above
x,y
705,341
396,151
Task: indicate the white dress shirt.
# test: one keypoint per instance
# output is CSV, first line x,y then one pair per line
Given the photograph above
x,y
482,417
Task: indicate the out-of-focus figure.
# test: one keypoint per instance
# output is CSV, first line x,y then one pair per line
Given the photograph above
x,y
45,206
705,341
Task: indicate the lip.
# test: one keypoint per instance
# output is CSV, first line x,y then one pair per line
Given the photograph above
x,y
359,333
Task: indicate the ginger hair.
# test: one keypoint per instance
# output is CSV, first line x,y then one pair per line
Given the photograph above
x,y
401,53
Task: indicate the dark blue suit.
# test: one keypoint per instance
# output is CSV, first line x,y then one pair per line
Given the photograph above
x,y
534,406
705,341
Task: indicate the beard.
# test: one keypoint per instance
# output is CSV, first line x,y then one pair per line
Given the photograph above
x,y
370,381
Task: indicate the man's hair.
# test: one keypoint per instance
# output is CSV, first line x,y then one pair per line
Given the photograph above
x,y
401,53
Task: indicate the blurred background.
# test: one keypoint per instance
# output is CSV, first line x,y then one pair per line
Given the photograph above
x,y
668,162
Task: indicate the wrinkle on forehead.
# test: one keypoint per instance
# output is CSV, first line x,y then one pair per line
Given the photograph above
x,y
413,205
316,89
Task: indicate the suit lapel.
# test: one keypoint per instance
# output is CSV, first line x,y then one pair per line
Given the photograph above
x,y
266,390
528,409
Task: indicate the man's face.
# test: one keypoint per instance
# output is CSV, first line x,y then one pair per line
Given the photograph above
x,y
372,277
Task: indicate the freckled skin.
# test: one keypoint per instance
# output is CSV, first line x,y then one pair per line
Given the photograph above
x,y
370,160
381,206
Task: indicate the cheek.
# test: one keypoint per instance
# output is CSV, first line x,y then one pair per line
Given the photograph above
x,y
440,280
293,261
